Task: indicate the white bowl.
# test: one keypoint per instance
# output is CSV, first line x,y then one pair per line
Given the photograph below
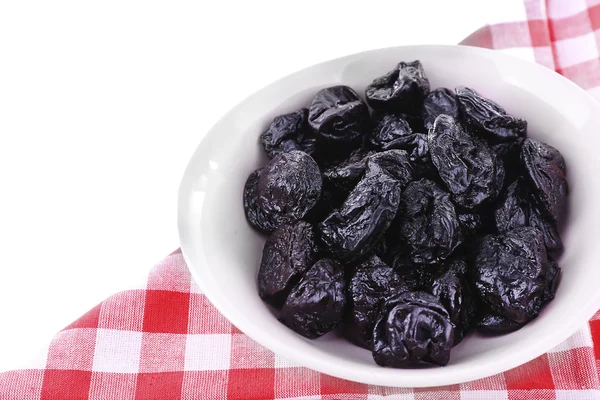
x,y
223,252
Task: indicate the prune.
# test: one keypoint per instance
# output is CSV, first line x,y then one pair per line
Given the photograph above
x,y
288,253
372,282
427,222
330,200
509,153
339,116
471,224
466,165
315,305
289,132
288,187
394,163
346,175
516,209
488,119
451,289
402,89
354,230
387,127
251,208
509,273
437,102
496,324
546,171
415,276
412,327
552,279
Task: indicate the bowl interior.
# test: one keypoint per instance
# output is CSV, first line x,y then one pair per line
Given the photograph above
x,y
223,252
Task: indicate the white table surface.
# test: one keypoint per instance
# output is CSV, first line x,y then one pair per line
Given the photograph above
x,y
102,104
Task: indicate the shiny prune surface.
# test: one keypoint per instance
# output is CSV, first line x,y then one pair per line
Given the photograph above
x,y
509,154
372,282
288,187
289,132
288,253
349,172
466,165
339,116
394,163
493,324
546,169
437,102
402,89
427,223
488,119
353,231
315,305
251,208
412,327
509,273
387,127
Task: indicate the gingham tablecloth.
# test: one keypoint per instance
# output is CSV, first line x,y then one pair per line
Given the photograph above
x,y
168,342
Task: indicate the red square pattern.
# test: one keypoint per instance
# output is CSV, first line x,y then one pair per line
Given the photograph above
x,y
112,386
87,320
204,317
335,386
296,383
594,15
511,34
72,349
166,312
574,369
246,353
533,394
204,385
539,33
250,384
481,38
494,382
446,392
22,384
171,275
159,386
66,385
123,311
533,375
162,352
595,330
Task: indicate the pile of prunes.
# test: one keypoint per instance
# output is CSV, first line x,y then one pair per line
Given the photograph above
x,y
406,221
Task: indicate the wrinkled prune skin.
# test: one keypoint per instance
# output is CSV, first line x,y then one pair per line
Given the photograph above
x,y
471,223
415,276
289,132
516,209
251,208
353,231
509,153
315,305
552,279
493,324
288,253
288,187
437,102
427,223
509,273
467,166
401,90
417,145
331,199
372,282
486,118
545,167
412,327
338,116
349,172
394,163
387,127
451,289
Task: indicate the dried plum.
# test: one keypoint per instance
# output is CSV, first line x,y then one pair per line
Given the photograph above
x,y
347,174
451,289
509,153
516,209
466,165
437,102
427,222
289,132
354,230
509,273
415,276
372,282
412,327
472,224
546,170
251,208
288,253
315,305
387,127
339,116
496,324
552,279
394,163
488,119
330,200
401,90
288,187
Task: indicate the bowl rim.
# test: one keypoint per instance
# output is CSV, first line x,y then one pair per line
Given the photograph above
x,y
328,366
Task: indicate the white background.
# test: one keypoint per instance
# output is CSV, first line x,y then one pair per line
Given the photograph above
x,y
101,105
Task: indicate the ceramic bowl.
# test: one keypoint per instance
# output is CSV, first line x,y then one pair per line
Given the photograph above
x,y
223,253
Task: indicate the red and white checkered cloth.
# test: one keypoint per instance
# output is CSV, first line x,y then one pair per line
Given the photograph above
x,y
168,342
